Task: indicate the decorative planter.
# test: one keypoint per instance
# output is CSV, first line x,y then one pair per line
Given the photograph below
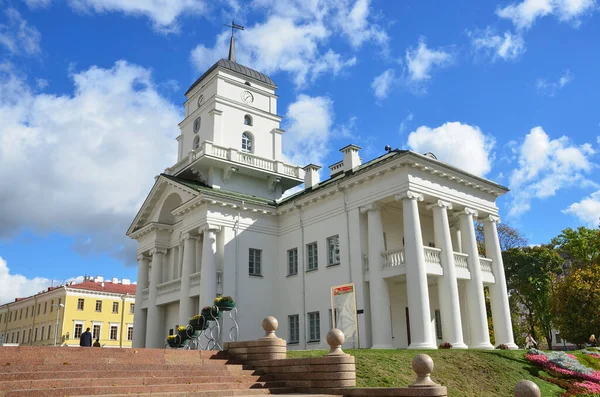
x,y
225,306
199,324
183,335
174,342
213,312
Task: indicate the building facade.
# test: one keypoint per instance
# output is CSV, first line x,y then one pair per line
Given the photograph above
x,y
58,315
400,227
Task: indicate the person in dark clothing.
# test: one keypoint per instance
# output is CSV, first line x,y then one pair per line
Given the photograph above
x,y
86,339
97,343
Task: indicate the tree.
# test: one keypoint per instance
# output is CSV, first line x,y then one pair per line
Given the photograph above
x,y
509,237
575,304
531,274
579,247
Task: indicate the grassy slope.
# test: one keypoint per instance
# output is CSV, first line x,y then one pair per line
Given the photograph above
x,y
467,373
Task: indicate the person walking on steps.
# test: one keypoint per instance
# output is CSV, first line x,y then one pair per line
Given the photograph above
x,y
86,339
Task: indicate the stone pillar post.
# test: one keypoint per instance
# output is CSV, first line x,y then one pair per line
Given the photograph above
x,y
447,285
208,277
186,304
498,292
381,323
153,328
480,337
416,274
139,315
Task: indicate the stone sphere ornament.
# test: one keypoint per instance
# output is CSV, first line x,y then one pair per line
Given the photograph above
x,y
422,364
335,340
526,388
270,325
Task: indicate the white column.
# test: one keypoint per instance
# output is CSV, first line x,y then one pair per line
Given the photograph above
x,y
208,277
381,322
456,238
179,261
498,292
139,315
447,284
421,333
186,304
154,337
480,337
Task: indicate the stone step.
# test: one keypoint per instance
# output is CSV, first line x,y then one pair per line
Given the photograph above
x,y
131,380
282,391
200,389
118,367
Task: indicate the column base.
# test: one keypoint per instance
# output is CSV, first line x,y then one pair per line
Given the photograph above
x,y
422,346
382,346
459,346
482,346
511,346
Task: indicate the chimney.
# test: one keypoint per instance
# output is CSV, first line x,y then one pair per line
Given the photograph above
x,y
115,280
311,176
351,159
126,281
99,279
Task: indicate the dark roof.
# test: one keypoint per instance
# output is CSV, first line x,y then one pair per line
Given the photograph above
x,y
201,187
237,68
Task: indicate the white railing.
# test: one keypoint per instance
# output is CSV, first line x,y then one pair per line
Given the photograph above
x,y
460,260
486,265
259,162
432,256
290,170
393,258
168,287
219,151
195,279
365,261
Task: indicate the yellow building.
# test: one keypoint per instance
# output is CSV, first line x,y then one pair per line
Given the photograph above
x,y
106,307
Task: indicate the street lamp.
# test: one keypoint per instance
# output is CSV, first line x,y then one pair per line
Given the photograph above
x,y
57,315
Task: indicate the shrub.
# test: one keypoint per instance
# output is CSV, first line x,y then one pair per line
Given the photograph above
x,y
502,347
446,345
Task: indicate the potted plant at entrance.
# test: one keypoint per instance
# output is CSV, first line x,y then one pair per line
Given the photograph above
x,y
182,332
224,303
198,322
210,312
173,341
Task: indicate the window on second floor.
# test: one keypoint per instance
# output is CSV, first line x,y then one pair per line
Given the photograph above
x,y
115,307
333,250
254,262
312,256
98,306
247,142
248,120
80,304
292,261
131,308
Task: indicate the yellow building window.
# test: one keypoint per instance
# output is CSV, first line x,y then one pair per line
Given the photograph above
x,y
96,332
79,304
131,308
78,330
115,307
98,306
114,330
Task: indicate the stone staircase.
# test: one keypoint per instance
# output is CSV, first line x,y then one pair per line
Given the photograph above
x,y
65,371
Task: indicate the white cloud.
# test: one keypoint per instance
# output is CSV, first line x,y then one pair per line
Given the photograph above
x,y
353,20
85,161
524,14
383,83
550,88
41,83
404,123
308,129
33,4
546,166
18,286
18,36
461,145
420,61
507,46
333,62
587,210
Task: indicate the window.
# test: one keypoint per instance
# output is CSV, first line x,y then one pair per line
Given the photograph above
x,y
45,307
333,250
247,142
18,332
254,262
96,331
35,335
438,324
39,308
21,314
248,120
130,332
98,306
42,335
311,251
131,308
197,124
49,331
51,305
292,261
114,330
59,301
115,307
78,330
79,304
10,317
196,142
314,327
29,336
294,327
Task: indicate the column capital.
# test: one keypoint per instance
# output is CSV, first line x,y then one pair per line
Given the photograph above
x,y
410,195
370,207
491,218
466,211
187,236
211,228
154,251
440,204
141,257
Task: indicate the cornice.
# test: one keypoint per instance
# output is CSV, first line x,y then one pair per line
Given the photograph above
x,y
151,227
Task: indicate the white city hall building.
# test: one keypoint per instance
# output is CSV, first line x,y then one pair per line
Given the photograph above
x,y
400,227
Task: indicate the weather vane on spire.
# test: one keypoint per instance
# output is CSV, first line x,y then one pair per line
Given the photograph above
x,y
233,26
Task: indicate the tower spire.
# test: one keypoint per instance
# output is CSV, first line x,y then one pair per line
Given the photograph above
x,y
233,26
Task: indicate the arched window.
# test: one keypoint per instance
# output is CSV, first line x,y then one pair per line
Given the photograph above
x,y
197,124
196,142
247,120
247,142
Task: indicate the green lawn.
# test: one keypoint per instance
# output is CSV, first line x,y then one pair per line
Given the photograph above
x,y
466,373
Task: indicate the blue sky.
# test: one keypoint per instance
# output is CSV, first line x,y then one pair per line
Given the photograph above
x,y
91,94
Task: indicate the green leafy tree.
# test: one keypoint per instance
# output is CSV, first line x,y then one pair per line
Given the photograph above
x,y
575,304
531,274
579,247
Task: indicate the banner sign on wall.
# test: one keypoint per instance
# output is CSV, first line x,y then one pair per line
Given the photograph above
x,y
343,310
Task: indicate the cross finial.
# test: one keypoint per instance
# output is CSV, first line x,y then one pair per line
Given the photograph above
x,y
233,26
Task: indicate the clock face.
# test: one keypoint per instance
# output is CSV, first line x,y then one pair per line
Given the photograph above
x,y
200,100
196,125
247,97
